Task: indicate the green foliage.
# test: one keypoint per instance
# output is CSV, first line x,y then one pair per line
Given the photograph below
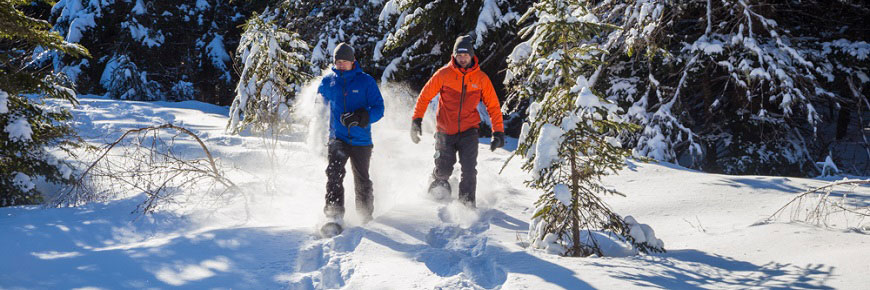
x,y
738,87
124,80
419,50
325,24
274,71
166,41
419,38
24,152
29,32
30,156
583,125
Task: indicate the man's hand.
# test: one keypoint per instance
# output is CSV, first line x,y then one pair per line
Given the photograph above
x,y
416,130
359,118
497,141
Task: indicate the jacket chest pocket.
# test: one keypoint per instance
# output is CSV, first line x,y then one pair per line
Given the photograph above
x,y
355,97
472,94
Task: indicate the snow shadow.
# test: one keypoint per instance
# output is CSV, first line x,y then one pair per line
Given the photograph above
x,y
633,164
501,219
693,269
778,184
86,247
856,200
857,196
451,250
525,263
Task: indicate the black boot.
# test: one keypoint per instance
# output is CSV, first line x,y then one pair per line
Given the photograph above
x,y
365,204
333,212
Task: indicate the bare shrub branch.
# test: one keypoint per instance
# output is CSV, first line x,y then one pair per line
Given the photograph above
x,y
818,205
141,160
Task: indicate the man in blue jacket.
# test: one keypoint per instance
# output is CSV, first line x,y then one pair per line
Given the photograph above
x,y
355,103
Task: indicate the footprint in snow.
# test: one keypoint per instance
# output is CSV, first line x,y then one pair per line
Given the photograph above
x,y
322,262
457,251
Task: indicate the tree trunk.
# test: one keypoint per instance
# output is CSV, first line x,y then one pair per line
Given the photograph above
x,y
575,204
843,122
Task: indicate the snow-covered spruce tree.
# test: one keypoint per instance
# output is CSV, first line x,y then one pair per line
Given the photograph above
x,y
350,21
325,24
419,35
274,69
123,80
570,138
179,48
733,86
28,128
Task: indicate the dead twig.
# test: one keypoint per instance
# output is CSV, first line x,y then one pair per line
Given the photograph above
x,y
150,165
817,211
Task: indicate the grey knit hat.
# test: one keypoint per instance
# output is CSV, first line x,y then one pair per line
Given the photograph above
x,y
343,52
464,44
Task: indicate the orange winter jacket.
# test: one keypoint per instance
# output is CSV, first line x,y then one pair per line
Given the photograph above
x,y
461,90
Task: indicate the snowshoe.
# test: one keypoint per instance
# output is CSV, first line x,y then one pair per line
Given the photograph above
x,y
331,229
439,190
334,221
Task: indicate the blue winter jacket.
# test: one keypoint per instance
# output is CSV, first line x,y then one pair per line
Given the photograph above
x,y
347,91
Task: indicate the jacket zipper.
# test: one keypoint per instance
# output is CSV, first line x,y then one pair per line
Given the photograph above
x,y
461,100
344,92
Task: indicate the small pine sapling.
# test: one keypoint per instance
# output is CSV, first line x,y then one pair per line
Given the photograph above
x,y
570,139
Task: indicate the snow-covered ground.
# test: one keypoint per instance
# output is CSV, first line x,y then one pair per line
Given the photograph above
x,y
708,223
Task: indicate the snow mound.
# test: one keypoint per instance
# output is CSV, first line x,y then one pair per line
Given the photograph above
x,y
643,233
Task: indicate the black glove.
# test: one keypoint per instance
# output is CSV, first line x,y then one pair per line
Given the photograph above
x,y
497,141
359,118
416,130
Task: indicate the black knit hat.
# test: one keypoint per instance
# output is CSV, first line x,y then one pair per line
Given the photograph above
x,y
464,44
343,52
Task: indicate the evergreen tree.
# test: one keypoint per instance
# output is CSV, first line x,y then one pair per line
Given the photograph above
x,y
156,50
335,21
419,35
735,86
325,24
274,69
570,138
28,128
123,80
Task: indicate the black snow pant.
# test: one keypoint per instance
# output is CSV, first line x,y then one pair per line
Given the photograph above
x,y
339,153
446,149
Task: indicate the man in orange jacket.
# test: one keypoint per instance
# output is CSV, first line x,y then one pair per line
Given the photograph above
x,y
462,85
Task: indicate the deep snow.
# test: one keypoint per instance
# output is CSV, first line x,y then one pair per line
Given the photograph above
x,y
708,223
